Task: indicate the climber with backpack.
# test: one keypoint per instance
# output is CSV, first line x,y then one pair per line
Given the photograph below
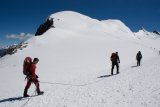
x,y
115,62
29,69
139,57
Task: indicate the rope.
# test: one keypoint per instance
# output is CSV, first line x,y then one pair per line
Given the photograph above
x,y
27,100
81,85
33,94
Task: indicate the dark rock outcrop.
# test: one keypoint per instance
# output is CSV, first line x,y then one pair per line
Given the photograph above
x,y
2,52
44,27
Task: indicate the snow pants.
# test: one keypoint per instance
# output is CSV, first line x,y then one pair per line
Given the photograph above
x,y
30,81
117,66
138,62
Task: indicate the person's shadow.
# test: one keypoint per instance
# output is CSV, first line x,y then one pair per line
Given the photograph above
x,y
134,66
12,99
103,76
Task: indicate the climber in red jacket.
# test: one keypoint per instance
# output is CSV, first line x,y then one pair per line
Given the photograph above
x,y
32,78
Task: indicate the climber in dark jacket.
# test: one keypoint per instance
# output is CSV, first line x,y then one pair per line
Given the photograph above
x,y
115,61
139,57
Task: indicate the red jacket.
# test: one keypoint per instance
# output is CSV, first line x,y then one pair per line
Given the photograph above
x,y
33,70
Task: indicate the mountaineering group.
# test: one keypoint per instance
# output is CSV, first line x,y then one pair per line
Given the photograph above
x,y
29,70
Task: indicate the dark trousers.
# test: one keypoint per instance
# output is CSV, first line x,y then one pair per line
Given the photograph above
x,y
138,62
117,66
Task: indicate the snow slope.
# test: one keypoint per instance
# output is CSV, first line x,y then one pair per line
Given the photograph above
x,y
74,67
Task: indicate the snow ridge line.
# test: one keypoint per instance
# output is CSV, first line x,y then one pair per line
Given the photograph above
x,y
149,47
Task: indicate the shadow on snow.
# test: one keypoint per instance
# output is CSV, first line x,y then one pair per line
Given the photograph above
x,y
103,76
12,99
15,99
134,66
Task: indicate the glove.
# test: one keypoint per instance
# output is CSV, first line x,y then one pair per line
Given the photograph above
x,y
37,76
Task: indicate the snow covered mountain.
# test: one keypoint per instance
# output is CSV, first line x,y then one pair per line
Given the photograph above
x,y
150,39
143,33
74,67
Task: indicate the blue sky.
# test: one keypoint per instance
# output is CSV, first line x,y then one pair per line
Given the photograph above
x,y
20,17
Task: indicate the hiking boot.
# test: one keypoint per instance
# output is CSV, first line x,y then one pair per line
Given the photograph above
x,y
39,92
111,72
25,93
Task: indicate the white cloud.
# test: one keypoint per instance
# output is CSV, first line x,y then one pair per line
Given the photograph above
x,y
21,36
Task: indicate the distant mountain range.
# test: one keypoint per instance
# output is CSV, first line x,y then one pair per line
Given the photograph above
x,y
11,49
